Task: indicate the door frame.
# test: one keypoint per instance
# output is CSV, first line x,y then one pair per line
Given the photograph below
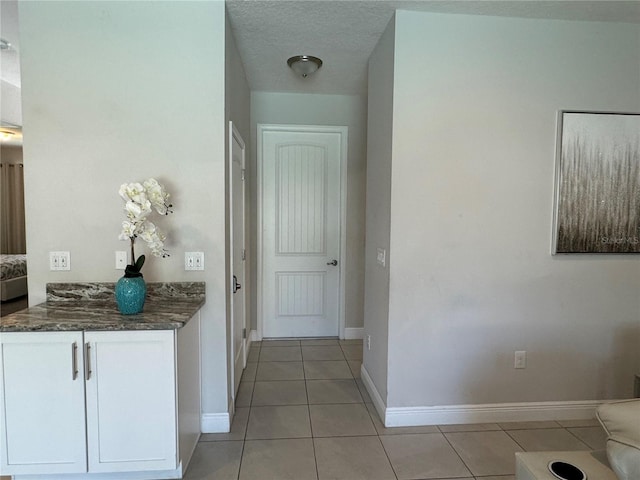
x,y
344,148
234,134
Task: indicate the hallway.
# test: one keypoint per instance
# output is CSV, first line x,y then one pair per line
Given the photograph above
x,y
303,413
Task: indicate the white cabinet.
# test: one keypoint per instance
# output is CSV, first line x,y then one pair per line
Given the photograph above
x,y
42,393
131,400
129,382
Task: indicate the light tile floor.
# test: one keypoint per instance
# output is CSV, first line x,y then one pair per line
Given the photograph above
x,y
303,413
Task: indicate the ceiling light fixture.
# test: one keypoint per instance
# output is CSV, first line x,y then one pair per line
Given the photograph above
x,y
304,65
6,135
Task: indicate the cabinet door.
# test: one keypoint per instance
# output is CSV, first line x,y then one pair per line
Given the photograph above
x,y
131,400
42,395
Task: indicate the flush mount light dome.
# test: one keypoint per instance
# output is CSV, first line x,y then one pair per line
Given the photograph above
x,y
6,135
304,65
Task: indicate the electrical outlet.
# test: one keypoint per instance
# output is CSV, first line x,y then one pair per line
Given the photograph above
x,y
194,260
121,260
382,257
520,359
59,261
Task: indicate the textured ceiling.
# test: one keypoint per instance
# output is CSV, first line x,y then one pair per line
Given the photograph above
x,y
341,33
344,33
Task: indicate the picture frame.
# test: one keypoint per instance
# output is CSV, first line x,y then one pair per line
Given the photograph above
x,y
597,183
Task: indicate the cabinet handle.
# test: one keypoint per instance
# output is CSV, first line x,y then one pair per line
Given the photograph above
x,y
88,359
74,357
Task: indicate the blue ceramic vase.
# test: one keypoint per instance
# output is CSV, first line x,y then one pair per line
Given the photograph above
x,y
130,295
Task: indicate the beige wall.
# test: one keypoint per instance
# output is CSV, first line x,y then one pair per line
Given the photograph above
x,y
237,100
116,92
338,110
10,109
471,275
378,212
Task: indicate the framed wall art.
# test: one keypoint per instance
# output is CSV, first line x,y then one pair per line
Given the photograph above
x,y
597,190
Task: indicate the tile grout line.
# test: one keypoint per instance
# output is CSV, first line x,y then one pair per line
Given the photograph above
x,y
379,439
515,441
246,429
383,448
456,452
313,442
578,438
243,445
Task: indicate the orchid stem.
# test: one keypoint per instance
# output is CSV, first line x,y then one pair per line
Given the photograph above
x,y
133,255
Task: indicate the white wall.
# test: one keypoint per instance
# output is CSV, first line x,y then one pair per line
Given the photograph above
x,y
471,277
340,110
237,100
378,208
11,111
116,92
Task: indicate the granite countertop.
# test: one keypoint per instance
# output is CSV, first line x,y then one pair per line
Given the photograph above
x,y
92,306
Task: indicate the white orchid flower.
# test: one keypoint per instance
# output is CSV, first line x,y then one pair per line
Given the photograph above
x,y
137,210
139,201
128,230
157,195
132,191
149,232
157,249
123,192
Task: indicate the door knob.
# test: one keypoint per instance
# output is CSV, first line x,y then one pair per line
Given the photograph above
x,y
333,262
236,285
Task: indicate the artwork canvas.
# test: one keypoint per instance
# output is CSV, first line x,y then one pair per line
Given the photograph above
x,y
597,195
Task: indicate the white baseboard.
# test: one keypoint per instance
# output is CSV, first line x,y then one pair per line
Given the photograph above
x,y
376,398
490,413
215,422
353,333
141,475
483,413
349,334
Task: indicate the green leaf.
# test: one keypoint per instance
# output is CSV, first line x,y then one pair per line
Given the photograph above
x,y
139,263
134,270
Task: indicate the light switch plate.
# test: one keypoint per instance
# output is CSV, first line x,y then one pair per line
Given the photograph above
x,y
520,359
194,260
121,259
382,257
59,261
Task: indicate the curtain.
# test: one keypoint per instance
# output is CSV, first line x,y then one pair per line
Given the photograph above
x,y
12,232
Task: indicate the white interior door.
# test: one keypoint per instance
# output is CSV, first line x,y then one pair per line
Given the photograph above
x,y
301,230
238,263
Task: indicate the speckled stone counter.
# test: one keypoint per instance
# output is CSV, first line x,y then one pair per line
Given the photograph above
x,y
92,306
